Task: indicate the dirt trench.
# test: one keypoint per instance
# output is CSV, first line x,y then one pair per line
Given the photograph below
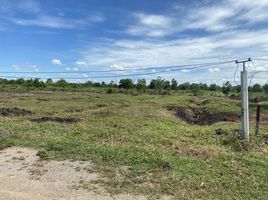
x,y
14,112
202,116
56,119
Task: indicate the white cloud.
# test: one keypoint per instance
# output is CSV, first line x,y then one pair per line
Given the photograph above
x,y
213,70
185,70
25,6
153,20
53,21
213,17
56,62
97,17
75,69
116,67
80,63
34,68
40,18
161,52
16,67
67,68
49,21
150,25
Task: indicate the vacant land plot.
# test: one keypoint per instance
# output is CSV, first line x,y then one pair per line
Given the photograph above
x,y
142,146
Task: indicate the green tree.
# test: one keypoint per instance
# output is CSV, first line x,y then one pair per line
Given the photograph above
x,y
112,84
213,87
126,83
265,88
141,85
184,86
256,88
157,84
61,83
20,81
194,88
226,88
174,84
49,81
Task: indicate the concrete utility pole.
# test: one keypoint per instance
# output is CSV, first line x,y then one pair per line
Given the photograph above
x,y
244,100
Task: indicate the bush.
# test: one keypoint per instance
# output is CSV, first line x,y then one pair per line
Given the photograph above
x,y
42,154
109,91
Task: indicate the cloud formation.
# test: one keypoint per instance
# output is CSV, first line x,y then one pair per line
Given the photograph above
x,y
38,17
56,62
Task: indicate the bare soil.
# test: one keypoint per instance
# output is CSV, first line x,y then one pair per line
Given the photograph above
x,y
14,112
201,116
56,119
24,177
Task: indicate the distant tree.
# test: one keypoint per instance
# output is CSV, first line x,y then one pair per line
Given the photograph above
x,y
203,86
88,84
61,83
141,85
213,87
265,88
194,87
184,86
96,84
112,84
256,88
237,88
126,83
49,81
20,81
167,85
174,84
158,84
226,88
103,84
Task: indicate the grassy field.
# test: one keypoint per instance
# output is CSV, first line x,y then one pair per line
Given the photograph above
x,y
140,147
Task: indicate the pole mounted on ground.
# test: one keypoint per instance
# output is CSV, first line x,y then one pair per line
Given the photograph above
x,y
244,99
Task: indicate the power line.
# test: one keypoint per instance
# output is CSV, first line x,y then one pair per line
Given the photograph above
x,y
235,73
253,74
257,72
126,69
119,75
261,59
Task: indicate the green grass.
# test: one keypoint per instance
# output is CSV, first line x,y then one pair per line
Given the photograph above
x,y
139,147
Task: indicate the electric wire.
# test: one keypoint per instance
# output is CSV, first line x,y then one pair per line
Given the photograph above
x,y
116,76
235,73
253,74
126,69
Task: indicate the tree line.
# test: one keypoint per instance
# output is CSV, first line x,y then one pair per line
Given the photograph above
x,y
141,85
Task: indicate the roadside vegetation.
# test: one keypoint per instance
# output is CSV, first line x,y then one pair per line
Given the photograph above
x,y
136,138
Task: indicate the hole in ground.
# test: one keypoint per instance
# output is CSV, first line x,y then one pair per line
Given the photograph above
x,y
14,112
201,116
56,119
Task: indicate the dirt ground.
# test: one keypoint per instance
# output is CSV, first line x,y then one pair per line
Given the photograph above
x,y
24,177
202,116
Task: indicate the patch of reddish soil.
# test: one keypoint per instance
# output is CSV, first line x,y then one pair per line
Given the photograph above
x,y
201,116
14,112
56,119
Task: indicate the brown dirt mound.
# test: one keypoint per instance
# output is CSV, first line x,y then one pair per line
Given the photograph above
x,y
202,116
14,112
56,119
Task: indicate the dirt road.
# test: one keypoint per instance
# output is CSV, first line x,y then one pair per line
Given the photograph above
x,y
24,177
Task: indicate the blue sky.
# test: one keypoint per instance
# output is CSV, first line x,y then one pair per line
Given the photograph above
x,y
78,35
